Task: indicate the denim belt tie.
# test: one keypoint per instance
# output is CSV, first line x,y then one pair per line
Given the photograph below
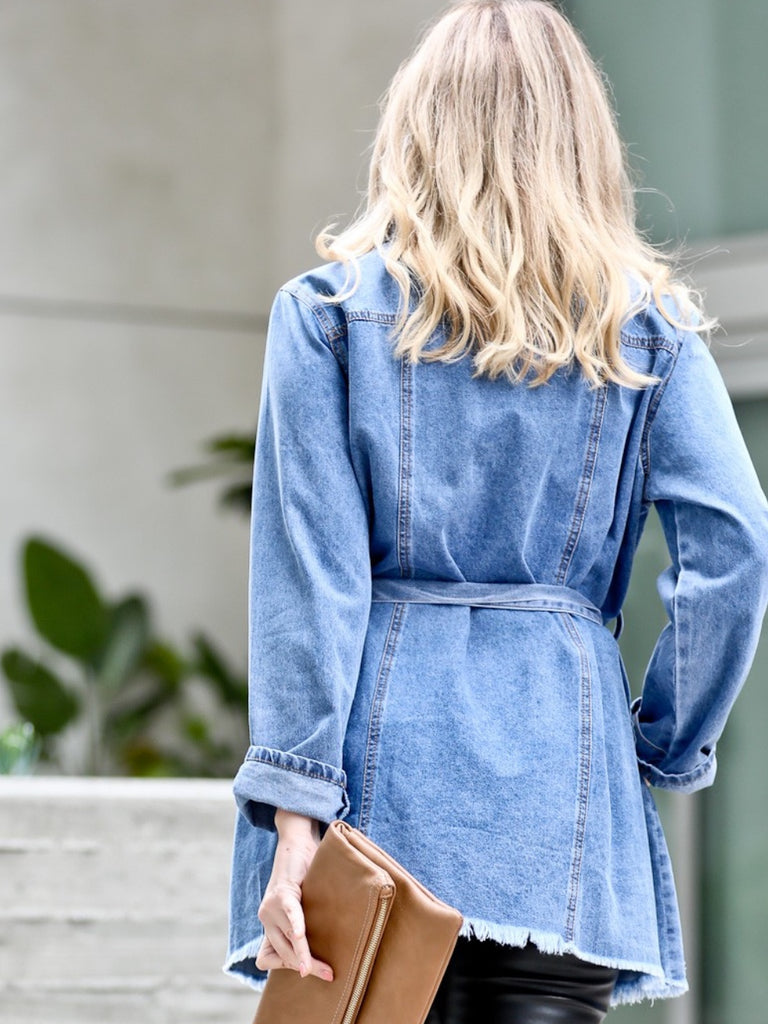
x,y
523,596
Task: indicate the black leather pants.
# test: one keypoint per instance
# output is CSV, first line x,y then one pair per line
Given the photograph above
x,y
487,982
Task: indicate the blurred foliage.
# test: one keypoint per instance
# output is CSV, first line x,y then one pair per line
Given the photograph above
x,y
147,707
19,749
231,457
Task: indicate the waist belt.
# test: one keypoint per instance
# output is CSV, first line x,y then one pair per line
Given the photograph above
x,y
523,596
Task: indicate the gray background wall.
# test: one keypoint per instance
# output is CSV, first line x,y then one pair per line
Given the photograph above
x,y
164,166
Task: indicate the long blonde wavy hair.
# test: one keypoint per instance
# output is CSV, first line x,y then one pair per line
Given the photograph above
x,y
500,197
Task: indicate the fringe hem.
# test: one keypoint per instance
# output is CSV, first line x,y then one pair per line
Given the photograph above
x,y
231,967
637,980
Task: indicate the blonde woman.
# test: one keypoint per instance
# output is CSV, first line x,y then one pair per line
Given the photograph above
x,y
466,414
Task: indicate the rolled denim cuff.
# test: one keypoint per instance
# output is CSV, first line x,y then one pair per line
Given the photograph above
x,y
698,777
268,779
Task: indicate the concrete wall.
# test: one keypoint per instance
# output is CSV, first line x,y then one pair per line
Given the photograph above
x,y
113,902
163,168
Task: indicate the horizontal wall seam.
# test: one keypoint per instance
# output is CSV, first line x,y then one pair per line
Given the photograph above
x,y
128,313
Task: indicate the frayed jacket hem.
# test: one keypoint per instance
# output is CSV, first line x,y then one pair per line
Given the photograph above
x,y
637,981
234,965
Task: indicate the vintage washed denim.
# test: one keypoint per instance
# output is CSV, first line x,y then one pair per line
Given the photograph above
x,y
480,729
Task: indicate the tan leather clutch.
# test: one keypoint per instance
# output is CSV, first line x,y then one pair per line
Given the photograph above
x,y
386,936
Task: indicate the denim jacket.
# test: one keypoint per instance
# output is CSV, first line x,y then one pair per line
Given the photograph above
x,y
435,564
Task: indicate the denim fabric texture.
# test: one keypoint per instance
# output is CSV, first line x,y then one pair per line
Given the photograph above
x,y
435,564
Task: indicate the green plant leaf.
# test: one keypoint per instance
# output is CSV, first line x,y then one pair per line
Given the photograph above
x,y
164,661
210,470
210,664
153,686
241,445
40,697
20,748
231,455
237,497
126,641
143,758
128,717
63,600
196,729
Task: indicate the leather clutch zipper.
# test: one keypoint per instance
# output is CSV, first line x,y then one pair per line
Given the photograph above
x,y
366,960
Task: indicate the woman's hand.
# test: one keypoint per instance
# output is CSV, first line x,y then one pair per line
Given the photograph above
x,y
285,942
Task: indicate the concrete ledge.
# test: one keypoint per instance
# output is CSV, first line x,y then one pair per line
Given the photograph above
x,y
78,786
113,901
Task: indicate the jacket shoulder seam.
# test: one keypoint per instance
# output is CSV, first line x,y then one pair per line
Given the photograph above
x,y
332,331
645,441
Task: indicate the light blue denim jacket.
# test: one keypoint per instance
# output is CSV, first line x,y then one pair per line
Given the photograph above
x,y
435,564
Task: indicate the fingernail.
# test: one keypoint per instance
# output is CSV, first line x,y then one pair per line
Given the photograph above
x,y
302,969
328,975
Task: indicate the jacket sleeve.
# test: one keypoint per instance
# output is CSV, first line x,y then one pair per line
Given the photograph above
x,y
714,515
309,586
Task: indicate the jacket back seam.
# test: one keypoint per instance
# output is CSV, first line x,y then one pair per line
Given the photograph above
x,y
583,776
585,485
377,713
405,481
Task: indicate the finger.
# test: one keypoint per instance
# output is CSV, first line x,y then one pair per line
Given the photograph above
x,y
295,931
283,948
313,965
321,969
268,958
288,957
267,961
294,928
